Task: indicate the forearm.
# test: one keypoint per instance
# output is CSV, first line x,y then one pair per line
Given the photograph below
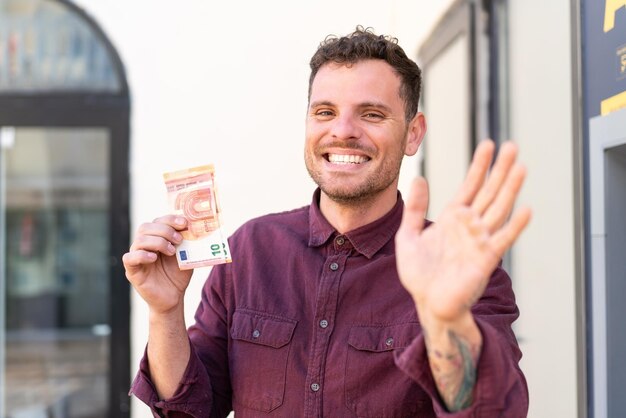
x,y
168,350
453,349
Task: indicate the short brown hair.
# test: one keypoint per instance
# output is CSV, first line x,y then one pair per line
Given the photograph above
x,y
363,44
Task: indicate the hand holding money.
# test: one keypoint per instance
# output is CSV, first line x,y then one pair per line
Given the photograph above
x,y
164,251
152,269
151,265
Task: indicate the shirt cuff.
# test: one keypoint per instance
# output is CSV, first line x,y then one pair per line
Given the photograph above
x,y
191,398
500,385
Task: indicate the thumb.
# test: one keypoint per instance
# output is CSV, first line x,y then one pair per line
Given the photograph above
x,y
416,206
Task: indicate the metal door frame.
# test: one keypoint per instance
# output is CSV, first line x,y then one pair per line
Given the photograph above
x,y
101,110
605,132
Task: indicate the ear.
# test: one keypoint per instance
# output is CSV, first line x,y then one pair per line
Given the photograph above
x,y
415,134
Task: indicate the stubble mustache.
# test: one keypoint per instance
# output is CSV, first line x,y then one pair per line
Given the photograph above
x,y
354,146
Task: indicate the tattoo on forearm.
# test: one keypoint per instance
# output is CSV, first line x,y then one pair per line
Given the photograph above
x,y
454,370
463,398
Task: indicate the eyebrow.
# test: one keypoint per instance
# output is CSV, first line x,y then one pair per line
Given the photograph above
x,y
321,103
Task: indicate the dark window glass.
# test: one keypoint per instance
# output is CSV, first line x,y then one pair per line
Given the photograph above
x,y
54,211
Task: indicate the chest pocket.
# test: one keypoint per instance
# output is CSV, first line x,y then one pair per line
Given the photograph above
x,y
374,386
258,358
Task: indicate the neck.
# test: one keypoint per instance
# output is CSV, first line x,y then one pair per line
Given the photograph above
x,y
347,216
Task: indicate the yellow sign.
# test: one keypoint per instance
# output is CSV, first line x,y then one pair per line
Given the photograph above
x,y
612,104
610,8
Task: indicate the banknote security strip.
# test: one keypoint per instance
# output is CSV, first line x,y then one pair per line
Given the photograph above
x,y
192,193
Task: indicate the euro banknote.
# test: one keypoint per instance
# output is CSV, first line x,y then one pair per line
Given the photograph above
x,y
192,193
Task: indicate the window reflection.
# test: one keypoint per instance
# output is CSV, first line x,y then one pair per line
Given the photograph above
x,y
56,273
45,46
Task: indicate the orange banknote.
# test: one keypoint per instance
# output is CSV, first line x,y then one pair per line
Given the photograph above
x,y
192,193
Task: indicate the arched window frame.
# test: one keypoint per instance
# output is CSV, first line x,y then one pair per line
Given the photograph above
x,y
109,110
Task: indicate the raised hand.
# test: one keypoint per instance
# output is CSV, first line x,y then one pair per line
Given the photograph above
x,y
151,264
446,266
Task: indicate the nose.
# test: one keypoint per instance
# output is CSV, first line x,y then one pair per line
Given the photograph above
x,y
345,127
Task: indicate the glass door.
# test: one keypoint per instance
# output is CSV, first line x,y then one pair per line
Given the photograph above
x,y
55,272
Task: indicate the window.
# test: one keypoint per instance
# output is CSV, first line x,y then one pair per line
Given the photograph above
x,y
465,91
64,111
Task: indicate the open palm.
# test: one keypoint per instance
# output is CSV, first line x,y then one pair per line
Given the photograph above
x,y
446,266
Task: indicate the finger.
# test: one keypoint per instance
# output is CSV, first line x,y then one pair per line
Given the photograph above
x,y
153,243
476,173
175,221
156,229
506,236
502,206
497,176
416,206
138,258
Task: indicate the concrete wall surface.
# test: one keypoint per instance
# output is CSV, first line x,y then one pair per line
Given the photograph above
x,y
543,259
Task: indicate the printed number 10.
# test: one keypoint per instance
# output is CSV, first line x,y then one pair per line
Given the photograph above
x,y
216,249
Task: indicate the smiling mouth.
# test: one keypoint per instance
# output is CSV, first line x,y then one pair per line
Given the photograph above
x,y
346,159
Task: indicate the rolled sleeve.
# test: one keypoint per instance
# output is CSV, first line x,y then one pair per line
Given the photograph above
x,y
191,399
500,388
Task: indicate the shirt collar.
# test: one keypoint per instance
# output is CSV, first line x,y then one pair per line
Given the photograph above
x,y
367,239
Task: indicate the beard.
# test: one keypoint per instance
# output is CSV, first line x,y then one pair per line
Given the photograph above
x,y
343,188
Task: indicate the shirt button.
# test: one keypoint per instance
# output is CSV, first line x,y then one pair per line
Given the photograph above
x,y
315,387
323,323
340,240
389,342
256,333
334,266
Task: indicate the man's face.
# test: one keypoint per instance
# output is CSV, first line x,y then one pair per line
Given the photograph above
x,y
356,132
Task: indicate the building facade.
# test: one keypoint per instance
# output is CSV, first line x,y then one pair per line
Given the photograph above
x,y
98,99
550,76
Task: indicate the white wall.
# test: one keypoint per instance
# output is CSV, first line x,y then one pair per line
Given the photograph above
x,y
447,153
543,259
226,82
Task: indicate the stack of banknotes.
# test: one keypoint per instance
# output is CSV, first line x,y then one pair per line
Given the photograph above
x,y
192,193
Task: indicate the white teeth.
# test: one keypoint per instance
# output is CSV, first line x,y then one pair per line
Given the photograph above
x,y
346,159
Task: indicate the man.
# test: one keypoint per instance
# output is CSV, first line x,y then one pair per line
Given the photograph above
x,y
322,312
